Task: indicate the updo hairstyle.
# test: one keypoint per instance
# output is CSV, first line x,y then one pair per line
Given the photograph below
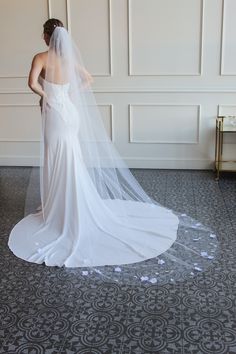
x,y
50,25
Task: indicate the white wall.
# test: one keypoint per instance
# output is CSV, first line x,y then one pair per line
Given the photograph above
x,y
163,70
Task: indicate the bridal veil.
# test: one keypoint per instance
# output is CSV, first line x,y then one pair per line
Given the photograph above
x,y
175,247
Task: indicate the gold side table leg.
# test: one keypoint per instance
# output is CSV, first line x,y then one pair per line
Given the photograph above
x,y
217,152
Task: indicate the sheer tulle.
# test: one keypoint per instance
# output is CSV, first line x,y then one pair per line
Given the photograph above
x,y
94,214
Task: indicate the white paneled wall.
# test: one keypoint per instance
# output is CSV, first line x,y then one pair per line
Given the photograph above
x,y
165,37
163,70
184,123
228,53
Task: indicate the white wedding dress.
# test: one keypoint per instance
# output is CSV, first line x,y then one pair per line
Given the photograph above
x,y
94,212
76,217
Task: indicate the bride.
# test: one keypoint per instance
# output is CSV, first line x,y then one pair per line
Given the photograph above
x,y
94,214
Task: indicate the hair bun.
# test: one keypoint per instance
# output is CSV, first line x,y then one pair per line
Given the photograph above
x,y
50,25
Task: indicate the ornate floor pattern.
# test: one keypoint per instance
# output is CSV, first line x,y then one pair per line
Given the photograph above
x,y
52,310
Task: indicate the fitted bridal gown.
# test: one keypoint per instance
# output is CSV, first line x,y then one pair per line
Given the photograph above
x,y
81,228
94,212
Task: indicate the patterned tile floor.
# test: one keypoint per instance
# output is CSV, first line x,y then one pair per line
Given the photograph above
x,y
48,310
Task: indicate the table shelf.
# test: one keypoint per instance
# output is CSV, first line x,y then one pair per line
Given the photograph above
x,y
229,166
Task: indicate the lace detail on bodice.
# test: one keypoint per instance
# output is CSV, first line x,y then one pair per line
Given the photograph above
x,y
55,92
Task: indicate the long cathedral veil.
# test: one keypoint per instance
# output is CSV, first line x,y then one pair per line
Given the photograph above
x,y
195,246
110,175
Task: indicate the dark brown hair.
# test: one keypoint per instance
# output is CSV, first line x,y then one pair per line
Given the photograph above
x,y
50,25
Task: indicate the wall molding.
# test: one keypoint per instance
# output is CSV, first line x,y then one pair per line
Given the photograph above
x,y
19,160
136,89
110,54
36,105
48,5
161,90
49,8
14,140
130,120
7,140
68,16
166,74
110,105
222,70
132,162
165,163
19,105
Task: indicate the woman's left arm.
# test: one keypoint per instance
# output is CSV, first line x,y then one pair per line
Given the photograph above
x,y
87,78
36,68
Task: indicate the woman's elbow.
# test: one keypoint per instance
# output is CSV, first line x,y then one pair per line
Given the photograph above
x,y
31,84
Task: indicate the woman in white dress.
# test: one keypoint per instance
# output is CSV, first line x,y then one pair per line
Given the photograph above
x,y
94,214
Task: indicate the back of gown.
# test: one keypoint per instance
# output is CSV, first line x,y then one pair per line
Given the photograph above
x,y
76,218
99,216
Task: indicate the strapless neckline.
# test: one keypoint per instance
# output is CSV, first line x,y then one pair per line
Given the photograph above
x,y
52,83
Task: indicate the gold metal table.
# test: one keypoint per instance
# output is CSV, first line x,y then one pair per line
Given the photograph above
x,y
224,124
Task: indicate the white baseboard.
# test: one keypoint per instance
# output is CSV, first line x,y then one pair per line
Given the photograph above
x,y
19,161
200,164
190,164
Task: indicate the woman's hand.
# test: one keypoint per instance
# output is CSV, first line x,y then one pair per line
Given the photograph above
x,y
41,102
87,78
44,97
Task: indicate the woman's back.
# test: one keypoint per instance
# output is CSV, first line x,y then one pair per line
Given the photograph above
x,y
55,69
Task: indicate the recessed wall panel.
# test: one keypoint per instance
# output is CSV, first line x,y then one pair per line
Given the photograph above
x,y
20,123
21,24
228,54
106,114
165,37
89,23
164,124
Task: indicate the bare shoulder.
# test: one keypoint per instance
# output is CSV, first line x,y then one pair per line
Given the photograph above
x,y
40,57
